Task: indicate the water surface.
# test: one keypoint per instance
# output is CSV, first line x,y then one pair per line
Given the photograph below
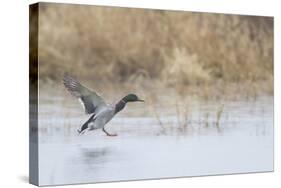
x,y
148,147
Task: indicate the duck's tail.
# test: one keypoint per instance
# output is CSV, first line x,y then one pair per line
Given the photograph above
x,y
80,132
83,128
85,125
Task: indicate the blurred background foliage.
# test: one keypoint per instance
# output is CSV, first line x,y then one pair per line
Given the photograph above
x,y
170,48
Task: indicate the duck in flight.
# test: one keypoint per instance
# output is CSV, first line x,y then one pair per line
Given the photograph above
x,y
101,113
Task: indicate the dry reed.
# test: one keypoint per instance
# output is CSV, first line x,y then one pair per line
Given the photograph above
x,y
181,49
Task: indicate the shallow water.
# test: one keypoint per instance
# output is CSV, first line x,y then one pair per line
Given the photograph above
x,y
241,142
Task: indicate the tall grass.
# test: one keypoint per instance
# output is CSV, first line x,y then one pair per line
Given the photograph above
x,y
107,44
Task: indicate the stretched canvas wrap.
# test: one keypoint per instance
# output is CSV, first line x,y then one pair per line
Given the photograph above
x,y
120,94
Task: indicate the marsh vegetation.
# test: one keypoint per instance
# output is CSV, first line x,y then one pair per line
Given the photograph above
x,y
218,53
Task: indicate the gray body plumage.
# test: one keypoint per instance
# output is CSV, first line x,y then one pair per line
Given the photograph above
x,y
102,117
93,104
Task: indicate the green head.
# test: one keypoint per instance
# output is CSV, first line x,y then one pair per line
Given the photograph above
x,y
132,98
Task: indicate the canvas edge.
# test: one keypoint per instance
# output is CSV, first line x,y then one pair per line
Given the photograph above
x,y
33,94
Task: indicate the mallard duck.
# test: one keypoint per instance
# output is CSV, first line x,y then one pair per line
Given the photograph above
x,y
101,112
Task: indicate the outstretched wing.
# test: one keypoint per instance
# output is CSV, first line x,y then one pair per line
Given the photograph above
x,y
89,99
